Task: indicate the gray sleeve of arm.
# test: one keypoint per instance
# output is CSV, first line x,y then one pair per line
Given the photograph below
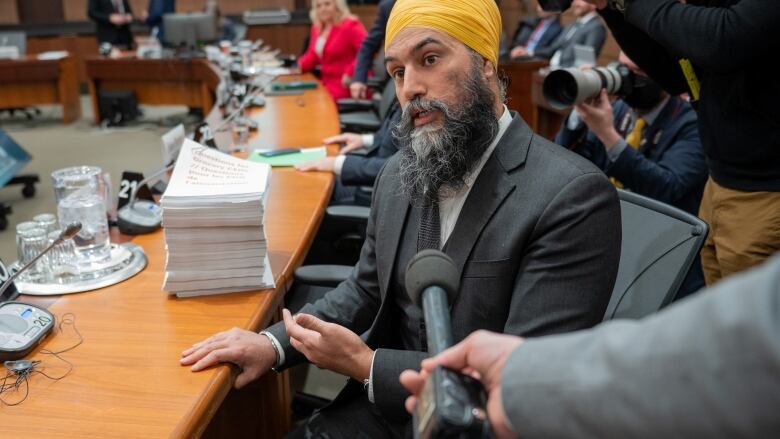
x,y
706,367
389,394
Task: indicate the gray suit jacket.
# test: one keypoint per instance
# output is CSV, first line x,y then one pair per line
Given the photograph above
x,y
537,243
707,367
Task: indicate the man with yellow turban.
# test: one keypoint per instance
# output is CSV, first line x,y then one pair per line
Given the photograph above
x,y
533,228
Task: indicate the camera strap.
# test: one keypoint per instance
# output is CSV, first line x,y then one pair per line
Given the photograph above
x,y
690,75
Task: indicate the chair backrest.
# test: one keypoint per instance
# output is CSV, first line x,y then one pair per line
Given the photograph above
x,y
388,96
16,39
12,158
660,242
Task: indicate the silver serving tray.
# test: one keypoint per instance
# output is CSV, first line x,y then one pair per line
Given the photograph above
x,y
126,261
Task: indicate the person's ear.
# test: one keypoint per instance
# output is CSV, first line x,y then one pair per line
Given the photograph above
x,y
488,69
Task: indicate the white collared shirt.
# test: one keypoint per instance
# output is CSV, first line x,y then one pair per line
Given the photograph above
x,y
450,207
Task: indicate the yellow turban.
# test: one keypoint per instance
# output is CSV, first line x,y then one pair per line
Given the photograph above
x,y
475,23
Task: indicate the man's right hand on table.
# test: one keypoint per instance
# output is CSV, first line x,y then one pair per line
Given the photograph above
x,y
250,351
351,142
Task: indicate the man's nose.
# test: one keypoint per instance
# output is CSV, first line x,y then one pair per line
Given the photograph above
x,y
414,85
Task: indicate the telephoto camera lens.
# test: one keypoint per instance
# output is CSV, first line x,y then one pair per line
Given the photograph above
x,y
565,87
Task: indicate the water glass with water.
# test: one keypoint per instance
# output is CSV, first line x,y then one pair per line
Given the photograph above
x,y
81,194
47,221
30,241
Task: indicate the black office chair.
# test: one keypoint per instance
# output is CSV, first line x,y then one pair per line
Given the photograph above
x,y
660,243
12,159
366,115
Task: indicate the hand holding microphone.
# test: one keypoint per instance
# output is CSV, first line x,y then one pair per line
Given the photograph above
x,y
450,404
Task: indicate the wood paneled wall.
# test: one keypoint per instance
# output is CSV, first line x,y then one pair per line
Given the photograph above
x,y
76,10
8,12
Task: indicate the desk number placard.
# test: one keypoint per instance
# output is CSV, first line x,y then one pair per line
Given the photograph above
x,y
204,135
128,184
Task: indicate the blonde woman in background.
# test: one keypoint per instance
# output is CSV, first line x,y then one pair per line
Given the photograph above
x,y
334,42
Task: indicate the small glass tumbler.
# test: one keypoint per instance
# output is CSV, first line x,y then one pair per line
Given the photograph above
x,y
61,258
30,241
47,221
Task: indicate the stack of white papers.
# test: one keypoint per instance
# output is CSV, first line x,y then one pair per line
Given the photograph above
x,y
213,223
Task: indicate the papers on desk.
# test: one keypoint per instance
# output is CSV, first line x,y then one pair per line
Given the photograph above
x,y
53,54
213,224
279,71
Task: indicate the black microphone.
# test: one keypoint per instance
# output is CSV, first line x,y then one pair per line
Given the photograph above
x,y
431,281
138,217
451,405
68,233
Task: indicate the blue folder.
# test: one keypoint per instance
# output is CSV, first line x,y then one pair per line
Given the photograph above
x,y
12,158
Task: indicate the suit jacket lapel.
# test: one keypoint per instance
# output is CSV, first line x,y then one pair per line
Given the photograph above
x,y
390,222
490,189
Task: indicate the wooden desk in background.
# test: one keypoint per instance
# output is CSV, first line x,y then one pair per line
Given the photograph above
x,y
127,381
190,82
518,93
30,81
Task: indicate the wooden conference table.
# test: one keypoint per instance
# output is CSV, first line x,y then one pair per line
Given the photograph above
x,y
126,380
190,82
31,81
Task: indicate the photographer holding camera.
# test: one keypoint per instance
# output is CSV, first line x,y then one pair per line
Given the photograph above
x,y
648,141
717,51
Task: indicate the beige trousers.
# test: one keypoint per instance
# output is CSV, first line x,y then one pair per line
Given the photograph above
x,y
744,229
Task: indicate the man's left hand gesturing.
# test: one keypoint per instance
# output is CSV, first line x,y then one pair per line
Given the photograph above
x,y
329,346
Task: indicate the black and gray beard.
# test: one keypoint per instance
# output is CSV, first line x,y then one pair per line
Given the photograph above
x,y
435,160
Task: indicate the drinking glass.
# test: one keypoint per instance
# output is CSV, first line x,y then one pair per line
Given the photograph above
x,y
46,221
60,258
30,241
81,194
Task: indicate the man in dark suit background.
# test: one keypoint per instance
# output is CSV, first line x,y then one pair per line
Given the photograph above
x,y
586,30
112,19
368,50
355,169
533,228
648,141
535,33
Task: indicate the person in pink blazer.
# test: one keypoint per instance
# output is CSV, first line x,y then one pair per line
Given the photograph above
x,y
335,39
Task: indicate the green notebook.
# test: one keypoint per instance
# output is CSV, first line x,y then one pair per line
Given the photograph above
x,y
289,159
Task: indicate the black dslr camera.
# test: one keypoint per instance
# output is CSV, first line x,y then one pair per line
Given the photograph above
x,y
565,87
555,5
451,405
